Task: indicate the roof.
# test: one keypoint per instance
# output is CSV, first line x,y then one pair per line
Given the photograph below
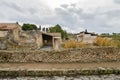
x,y
52,34
32,32
8,26
91,33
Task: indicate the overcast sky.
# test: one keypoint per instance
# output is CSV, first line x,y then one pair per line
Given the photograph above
x,y
100,16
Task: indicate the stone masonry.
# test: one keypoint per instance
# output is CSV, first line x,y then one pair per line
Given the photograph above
x,y
101,54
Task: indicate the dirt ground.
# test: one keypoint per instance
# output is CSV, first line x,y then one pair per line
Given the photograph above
x,y
58,66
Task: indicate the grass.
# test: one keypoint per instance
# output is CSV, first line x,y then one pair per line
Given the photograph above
x,y
73,44
100,41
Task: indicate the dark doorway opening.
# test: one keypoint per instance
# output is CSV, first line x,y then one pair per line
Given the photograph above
x,y
47,40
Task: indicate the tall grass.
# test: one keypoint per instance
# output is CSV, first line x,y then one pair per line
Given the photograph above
x,y
73,44
99,41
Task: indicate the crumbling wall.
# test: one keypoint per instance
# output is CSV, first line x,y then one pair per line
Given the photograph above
x,y
3,43
101,54
27,40
3,39
3,33
31,37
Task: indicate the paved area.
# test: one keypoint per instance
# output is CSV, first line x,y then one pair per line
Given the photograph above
x,y
47,48
58,66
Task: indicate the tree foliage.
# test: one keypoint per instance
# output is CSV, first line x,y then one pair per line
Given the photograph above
x,y
57,28
43,29
26,27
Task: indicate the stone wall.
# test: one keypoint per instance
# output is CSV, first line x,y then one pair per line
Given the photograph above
x,y
3,43
27,40
80,77
3,33
70,55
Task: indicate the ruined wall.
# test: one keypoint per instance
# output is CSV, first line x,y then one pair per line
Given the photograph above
x,y
3,33
39,40
3,39
16,34
71,55
88,38
31,39
3,43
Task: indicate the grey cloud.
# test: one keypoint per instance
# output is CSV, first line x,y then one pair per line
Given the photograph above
x,y
32,11
71,8
66,16
74,5
65,6
12,5
73,16
70,16
87,16
113,13
105,22
15,11
68,12
75,10
23,7
95,21
117,1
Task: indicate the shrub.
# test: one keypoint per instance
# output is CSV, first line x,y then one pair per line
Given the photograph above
x,y
99,41
117,42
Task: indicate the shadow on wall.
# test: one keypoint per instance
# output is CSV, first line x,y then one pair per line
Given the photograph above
x,y
47,40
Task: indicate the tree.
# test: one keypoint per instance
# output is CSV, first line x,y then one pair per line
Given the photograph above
x,y
39,28
43,29
27,26
57,28
47,29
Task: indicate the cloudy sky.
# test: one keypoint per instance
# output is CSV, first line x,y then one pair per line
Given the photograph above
x,y
100,16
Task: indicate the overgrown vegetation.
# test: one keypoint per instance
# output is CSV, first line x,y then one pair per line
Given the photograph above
x,y
73,44
115,37
100,41
26,27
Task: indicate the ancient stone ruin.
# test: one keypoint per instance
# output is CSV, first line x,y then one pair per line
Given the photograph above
x,y
12,37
